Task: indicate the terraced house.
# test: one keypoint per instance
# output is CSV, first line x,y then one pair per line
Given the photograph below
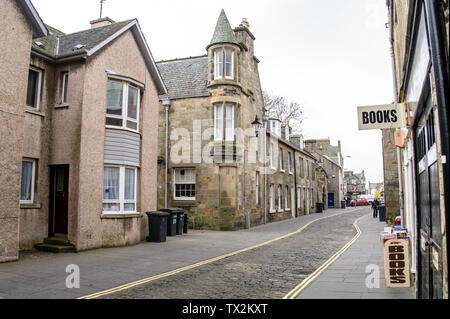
x,y
211,159
89,160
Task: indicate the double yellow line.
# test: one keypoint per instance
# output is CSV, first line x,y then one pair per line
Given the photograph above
x,y
202,263
297,290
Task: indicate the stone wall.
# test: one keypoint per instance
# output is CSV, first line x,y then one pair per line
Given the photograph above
x,y
391,178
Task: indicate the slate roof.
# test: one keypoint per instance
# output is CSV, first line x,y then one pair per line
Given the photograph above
x,y
185,77
58,44
223,32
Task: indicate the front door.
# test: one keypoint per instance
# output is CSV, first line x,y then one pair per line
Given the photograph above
x,y
429,214
59,200
331,200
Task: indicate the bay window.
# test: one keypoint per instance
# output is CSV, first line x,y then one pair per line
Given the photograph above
x,y
224,113
123,103
223,64
119,189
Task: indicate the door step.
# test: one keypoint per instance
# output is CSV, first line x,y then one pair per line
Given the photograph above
x,y
56,245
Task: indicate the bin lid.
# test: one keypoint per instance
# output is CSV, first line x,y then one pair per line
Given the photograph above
x,y
172,210
158,213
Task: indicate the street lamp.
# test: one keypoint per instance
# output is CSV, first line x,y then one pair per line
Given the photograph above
x,y
256,125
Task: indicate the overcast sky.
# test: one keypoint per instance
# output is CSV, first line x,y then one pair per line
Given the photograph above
x,y
330,56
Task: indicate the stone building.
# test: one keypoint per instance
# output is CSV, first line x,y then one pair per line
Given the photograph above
x,y
213,164
89,158
19,24
419,33
333,162
355,183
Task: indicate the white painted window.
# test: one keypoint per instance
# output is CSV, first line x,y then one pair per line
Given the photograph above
x,y
119,189
224,114
184,184
229,122
280,198
218,64
34,88
123,105
271,199
27,181
272,155
223,64
298,197
257,188
229,64
286,197
281,160
290,162
64,85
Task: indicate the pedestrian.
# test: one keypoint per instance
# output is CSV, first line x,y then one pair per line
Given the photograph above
x,y
375,204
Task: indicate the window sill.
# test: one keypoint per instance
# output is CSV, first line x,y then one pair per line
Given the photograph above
x,y
30,206
121,215
272,212
122,129
34,112
61,106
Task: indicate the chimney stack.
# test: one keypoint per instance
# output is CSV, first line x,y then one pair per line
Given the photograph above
x,y
101,22
245,23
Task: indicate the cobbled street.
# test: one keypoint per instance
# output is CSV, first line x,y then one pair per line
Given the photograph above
x,y
270,271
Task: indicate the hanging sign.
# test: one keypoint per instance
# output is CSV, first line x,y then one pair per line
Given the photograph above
x,y
396,263
381,116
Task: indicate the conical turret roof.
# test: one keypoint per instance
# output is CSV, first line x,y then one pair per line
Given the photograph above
x,y
223,32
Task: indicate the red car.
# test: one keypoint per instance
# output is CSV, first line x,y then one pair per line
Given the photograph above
x,y
360,202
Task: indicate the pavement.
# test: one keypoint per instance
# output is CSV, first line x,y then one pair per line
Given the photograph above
x,y
346,277
40,275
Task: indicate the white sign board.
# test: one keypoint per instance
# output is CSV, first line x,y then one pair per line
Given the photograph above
x,y
396,263
381,116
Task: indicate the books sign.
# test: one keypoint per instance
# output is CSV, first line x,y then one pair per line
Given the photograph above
x,y
381,116
396,263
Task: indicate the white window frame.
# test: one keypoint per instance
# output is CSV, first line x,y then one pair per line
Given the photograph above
x,y
184,198
33,181
257,189
281,160
121,201
289,162
124,117
226,133
298,198
228,77
220,62
271,198
280,198
272,155
64,83
286,197
38,89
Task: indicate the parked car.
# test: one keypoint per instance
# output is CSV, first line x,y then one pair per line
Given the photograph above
x,y
360,202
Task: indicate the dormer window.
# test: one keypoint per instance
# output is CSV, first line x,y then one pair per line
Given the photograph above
x,y
223,64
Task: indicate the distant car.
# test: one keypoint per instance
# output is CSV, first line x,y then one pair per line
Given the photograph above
x,y
360,202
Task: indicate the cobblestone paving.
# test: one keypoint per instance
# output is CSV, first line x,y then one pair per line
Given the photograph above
x,y
266,272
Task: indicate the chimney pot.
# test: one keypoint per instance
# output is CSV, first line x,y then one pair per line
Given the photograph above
x,y
245,23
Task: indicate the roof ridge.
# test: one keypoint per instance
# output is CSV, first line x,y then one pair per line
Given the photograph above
x,y
101,27
183,59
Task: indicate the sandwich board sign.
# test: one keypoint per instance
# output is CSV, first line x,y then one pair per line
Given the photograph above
x,y
396,263
381,116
